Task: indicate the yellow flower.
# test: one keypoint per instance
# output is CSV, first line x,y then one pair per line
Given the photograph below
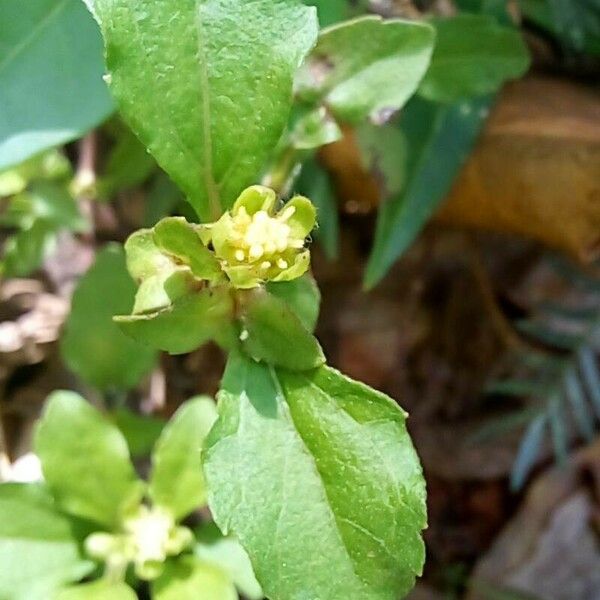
x,y
255,244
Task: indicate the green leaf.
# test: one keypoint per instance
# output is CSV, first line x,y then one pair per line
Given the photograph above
x,y
140,431
473,56
271,331
206,85
439,140
384,152
185,325
302,296
177,482
25,251
227,554
51,88
98,590
92,345
39,546
315,129
315,183
85,460
177,237
128,165
190,579
346,495
52,202
368,67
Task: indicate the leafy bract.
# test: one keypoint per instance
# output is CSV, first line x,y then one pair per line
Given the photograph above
x,y
302,296
177,482
206,84
39,549
367,67
85,460
188,323
272,331
51,88
439,139
346,496
190,579
92,345
473,56
98,590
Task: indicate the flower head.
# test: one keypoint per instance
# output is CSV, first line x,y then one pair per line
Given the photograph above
x,y
254,243
148,537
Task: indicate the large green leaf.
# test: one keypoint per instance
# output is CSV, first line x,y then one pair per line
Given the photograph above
x,y
439,140
367,67
93,346
333,505
206,84
39,546
190,579
85,460
98,590
177,482
51,88
473,56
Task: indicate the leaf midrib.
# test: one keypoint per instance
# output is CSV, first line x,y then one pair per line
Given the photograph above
x,y
33,34
334,516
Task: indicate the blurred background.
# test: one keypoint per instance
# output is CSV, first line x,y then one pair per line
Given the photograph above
x,y
457,256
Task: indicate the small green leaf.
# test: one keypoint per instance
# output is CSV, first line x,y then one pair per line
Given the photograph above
x,y
128,165
439,140
177,482
39,546
51,88
473,56
85,460
52,202
206,85
140,431
346,495
185,325
177,237
98,590
92,345
227,554
315,129
190,579
302,296
368,67
25,251
315,183
274,333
